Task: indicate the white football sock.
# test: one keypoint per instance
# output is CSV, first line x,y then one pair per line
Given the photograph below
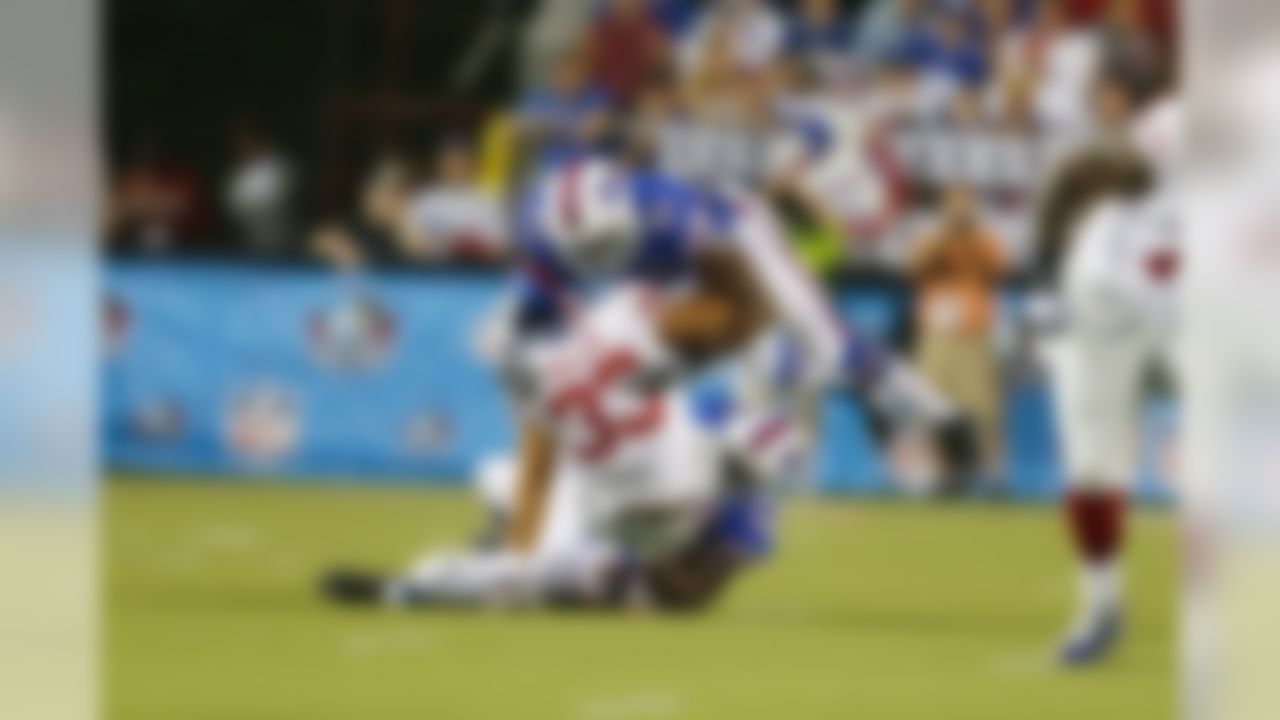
x,y
468,578
1100,591
503,577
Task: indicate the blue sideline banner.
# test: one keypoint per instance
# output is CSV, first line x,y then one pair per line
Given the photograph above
x,y
298,373
222,369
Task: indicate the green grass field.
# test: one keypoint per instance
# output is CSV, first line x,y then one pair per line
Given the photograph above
x,y
869,610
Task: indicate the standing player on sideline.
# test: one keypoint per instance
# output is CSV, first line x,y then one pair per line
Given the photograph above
x,y
1109,243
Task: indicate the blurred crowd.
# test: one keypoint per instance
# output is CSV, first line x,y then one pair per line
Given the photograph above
x,y
856,117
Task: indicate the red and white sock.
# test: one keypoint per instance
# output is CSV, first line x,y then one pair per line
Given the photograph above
x,y
1096,519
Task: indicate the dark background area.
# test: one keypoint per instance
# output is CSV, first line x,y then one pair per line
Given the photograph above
x,y
332,81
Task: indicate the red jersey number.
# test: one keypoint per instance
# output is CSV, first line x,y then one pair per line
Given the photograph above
x,y
606,429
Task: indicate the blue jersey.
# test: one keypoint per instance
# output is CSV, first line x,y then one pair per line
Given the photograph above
x,y
677,220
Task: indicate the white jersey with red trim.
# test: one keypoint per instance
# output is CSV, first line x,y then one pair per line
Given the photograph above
x,y
1120,287
604,389
1123,266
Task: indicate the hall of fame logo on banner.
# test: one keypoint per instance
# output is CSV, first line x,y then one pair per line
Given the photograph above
x,y
262,423
158,420
354,335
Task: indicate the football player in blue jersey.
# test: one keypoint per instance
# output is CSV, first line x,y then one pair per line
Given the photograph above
x,y
591,223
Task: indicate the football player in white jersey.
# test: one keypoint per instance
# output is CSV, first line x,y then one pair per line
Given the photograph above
x,y
1109,244
638,502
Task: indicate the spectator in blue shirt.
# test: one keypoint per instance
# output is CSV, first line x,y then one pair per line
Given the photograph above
x,y
819,28
947,46
917,46
566,118
959,51
884,27
675,16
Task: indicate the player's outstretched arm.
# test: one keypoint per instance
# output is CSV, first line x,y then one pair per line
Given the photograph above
x,y
536,464
793,296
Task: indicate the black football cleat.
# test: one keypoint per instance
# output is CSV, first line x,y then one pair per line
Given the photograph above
x,y
353,587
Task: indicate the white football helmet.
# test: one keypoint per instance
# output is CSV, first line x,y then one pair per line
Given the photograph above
x,y
589,214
